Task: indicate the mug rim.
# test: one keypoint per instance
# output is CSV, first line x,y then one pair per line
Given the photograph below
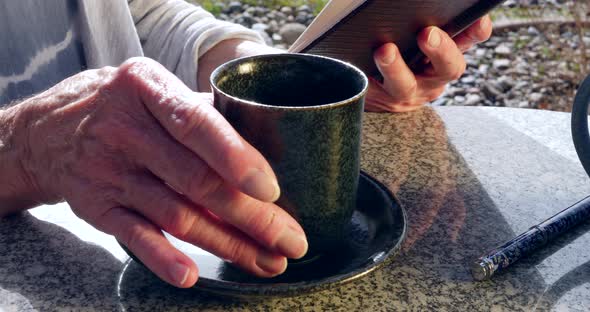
x,y
344,102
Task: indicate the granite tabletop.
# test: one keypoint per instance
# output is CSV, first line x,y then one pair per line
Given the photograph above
x,y
469,179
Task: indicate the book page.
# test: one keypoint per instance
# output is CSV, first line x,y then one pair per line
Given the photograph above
x,y
330,15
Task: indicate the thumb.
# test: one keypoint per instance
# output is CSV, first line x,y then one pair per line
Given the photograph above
x,y
398,79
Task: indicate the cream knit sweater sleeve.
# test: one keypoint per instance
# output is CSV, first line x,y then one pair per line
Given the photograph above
x,y
177,33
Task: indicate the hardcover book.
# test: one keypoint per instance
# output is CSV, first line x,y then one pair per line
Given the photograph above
x,y
351,30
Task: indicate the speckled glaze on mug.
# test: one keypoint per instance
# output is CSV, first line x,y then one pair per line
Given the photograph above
x,y
304,114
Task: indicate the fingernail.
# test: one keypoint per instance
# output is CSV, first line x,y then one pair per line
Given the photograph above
x,y
260,185
179,273
292,244
434,38
484,23
271,263
387,56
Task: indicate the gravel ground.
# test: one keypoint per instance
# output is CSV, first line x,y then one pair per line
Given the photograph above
x,y
529,67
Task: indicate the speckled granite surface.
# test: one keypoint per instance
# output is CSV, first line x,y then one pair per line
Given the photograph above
x,y
468,177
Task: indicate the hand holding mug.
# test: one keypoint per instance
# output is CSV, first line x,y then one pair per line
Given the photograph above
x,y
134,151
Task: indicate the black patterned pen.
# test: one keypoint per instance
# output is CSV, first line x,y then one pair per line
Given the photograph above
x,y
524,244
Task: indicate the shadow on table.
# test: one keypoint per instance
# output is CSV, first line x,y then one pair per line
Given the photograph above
x,y
574,278
451,221
49,268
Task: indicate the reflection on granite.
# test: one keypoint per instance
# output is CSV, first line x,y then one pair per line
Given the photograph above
x,y
469,178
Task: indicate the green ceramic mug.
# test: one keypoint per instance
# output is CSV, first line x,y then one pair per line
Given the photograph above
x,y
304,114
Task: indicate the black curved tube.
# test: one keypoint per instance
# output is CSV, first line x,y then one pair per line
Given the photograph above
x,y
580,124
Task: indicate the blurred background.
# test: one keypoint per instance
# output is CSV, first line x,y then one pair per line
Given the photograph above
x,y
536,58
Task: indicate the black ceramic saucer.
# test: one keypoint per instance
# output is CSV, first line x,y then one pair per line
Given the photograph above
x,y
375,233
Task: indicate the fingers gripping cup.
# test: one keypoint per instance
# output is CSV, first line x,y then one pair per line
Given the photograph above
x,y
304,114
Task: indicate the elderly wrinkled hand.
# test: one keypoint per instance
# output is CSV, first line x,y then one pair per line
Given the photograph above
x,y
134,152
401,89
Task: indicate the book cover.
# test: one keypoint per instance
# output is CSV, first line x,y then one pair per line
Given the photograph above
x,y
351,30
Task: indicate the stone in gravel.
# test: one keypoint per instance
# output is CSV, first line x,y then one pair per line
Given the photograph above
x,y
532,30
512,95
483,69
459,99
276,38
260,27
480,52
273,27
235,7
537,42
470,71
493,42
524,104
510,3
522,67
468,80
301,18
501,64
497,85
471,61
246,19
287,10
567,34
304,8
535,97
260,11
311,16
290,32
279,16
490,91
506,83
503,50
521,85
472,100
473,90
452,91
